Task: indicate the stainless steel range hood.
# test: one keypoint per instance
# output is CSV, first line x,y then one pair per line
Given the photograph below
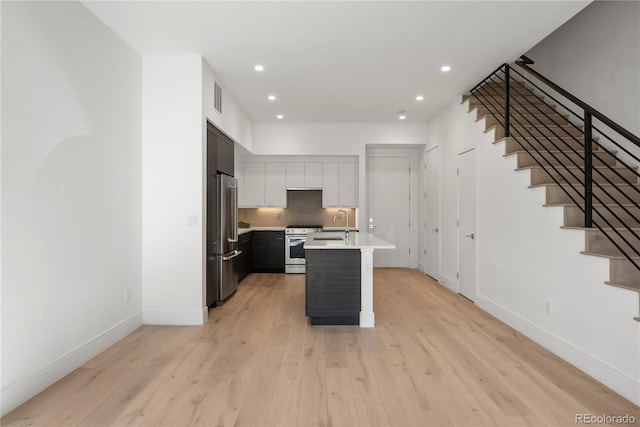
x,y
303,189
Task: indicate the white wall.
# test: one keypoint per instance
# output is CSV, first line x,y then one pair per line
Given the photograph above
x,y
525,259
332,138
445,131
596,57
71,192
173,147
234,121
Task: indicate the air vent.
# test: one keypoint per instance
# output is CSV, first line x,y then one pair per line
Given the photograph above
x,y
217,97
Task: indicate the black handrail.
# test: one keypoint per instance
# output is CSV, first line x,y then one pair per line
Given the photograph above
x,y
586,107
536,137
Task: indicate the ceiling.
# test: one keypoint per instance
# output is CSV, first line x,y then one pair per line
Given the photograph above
x,y
338,61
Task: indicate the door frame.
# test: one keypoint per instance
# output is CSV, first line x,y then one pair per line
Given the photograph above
x,y
413,153
474,295
437,274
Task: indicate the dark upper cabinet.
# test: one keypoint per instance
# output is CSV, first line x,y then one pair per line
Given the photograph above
x,y
267,251
225,156
212,153
220,151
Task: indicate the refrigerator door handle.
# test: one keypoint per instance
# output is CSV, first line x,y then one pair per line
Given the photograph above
x,y
232,256
234,224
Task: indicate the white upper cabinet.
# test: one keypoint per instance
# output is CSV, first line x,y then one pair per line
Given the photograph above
x,y
252,181
304,175
295,175
339,185
348,194
313,175
264,184
275,181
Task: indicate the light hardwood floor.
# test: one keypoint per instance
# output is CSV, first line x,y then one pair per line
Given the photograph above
x,y
432,359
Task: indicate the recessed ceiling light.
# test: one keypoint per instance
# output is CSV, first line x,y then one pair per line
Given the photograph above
x,y
279,116
445,68
271,97
419,98
258,68
402,117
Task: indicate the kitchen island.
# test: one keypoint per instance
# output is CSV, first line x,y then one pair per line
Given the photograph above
x,y
339,278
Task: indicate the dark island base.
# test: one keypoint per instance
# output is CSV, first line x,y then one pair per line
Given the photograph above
x,y
344,320
332,286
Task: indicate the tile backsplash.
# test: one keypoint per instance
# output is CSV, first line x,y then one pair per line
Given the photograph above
x,y
304,207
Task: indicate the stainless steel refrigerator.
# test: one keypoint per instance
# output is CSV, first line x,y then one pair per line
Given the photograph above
x,y
222,239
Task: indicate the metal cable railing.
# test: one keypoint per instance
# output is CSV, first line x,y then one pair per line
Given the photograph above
x,y
568,149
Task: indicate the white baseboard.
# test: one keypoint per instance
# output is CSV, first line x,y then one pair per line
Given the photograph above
x,y
596,368
451,284
175,317
22,390
367,320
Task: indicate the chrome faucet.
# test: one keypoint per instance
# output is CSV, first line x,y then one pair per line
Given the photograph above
x,y
346,225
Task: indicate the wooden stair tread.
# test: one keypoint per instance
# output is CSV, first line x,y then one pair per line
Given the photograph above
x,y
624,286
544,184
601,255
587,229
546,137
597,150
575,167
626,205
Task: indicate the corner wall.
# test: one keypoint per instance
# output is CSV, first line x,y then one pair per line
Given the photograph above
x,y
596,56
525,259
71,193
173,150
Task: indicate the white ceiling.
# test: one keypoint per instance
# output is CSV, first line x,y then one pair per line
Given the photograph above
x,y
335,61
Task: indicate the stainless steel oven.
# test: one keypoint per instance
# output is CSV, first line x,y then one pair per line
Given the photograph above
x,y
295,236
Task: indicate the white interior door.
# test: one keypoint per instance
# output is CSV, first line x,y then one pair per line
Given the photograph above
x,y
432,209
389,210
467,214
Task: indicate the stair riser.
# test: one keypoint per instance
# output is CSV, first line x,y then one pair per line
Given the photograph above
x,y
526,159
528,119
625,273
540,134
539,176
499,109
598,242
546,144
530,103
556,195
573,217
542,131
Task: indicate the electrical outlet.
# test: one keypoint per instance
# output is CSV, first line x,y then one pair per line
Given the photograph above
x,y
126,295
193,220
548,307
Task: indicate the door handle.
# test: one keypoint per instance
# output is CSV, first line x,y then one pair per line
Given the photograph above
x,y
473,236
435,229
235,254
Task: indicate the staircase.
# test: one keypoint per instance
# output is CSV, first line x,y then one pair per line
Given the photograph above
x,y
599,191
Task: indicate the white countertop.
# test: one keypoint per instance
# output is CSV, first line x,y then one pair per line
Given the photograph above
x,y
246,230
356,241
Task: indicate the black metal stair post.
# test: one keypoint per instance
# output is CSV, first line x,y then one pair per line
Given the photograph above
x,y
588,171
506,101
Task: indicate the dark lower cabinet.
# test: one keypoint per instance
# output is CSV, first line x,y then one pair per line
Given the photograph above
x,y
332,286
243,261
267,251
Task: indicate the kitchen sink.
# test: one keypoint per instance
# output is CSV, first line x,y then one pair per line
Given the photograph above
x,y
329,238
